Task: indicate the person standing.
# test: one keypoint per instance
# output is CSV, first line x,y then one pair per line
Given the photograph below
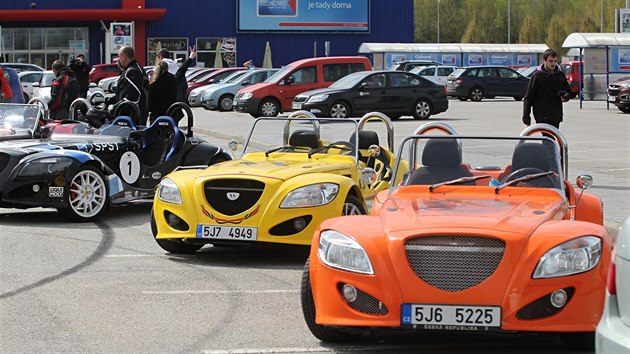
x,y
162,90
548,88
165,56
81,71
133,83
5,89
64,89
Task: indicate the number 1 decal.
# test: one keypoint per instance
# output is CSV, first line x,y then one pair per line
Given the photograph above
x,y
129,167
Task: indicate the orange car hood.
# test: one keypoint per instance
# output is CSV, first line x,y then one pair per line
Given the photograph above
x,y
519,210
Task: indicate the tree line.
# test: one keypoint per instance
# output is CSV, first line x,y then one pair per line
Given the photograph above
x,y
530,21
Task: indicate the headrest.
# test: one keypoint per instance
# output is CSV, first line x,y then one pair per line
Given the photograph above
x,y
97,117
366,138
533,154
304,137
124,121
442,153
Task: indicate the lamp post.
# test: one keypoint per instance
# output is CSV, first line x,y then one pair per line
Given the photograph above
x,y
509,13
438,21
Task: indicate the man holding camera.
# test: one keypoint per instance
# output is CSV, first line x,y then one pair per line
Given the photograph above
x,y
82,73
548,88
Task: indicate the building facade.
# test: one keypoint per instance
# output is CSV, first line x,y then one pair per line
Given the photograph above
x,y
40,32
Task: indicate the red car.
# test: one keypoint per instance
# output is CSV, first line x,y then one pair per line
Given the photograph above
x,y
101,71
211,77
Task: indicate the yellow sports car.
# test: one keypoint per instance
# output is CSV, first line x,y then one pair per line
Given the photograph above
x,y
295,172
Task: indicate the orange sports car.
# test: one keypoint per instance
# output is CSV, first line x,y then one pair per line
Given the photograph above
x,y
482,234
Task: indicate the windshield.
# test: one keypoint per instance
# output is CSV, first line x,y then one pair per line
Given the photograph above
x,y
438,158
18,119
457,73
348,81
236,76
279,74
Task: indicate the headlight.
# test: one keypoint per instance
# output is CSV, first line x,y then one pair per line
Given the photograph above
x,y
46,166
247,95
318,98
340,251
576,256
625,85
169,192
311,195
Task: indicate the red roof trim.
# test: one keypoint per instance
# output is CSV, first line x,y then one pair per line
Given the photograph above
x,y
82,15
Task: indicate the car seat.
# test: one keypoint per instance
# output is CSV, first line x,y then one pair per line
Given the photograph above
x,y
533,157
304,138
161,140
442,159
367,138
121,126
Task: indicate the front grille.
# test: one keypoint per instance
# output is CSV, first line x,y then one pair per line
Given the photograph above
x,y
365,303
542,307
613,92
233,196
238,95
4,161
454,262
300,98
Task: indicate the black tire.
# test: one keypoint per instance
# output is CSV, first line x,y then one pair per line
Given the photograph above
x,y
339,109
462,98
352,206
581,341
422,109
172,246
518,98
86,198
268,108
476,94
226,103
323,333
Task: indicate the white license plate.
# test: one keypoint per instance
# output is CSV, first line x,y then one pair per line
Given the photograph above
x,y
451,317
55,192
611,98
237,233
296,106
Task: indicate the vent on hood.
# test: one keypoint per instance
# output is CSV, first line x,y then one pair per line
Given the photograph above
x,y
233,196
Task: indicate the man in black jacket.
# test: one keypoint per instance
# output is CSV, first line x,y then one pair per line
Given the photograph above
x,y
82,73
64,89
133,83
547,90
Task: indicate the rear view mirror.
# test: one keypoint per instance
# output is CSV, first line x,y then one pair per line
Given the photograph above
x,y
289,80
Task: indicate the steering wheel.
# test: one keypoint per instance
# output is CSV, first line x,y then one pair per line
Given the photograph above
x,y
540,182
343,145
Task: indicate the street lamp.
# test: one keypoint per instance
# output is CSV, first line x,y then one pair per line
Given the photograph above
x,y
438,21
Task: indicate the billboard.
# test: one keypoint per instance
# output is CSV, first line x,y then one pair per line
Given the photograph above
x,y
304,15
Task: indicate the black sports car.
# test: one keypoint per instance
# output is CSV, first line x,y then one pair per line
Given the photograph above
x,y
83,170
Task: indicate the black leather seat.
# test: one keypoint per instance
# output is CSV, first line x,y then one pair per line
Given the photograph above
x,y
162,139
304,138
535,157
442,159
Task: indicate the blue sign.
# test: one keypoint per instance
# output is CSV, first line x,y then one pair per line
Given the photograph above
x,y
304,15
500,59
474,60
620,59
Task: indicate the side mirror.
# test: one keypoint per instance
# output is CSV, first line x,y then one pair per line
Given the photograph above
x,y
584,181
35,84
245,83
374,150
368,176
289,80
92,84
233,145
364,85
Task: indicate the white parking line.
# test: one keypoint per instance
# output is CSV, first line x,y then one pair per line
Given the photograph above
x,y
376,348
219,292
134,255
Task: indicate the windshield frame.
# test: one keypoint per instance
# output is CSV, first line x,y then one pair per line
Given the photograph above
x,y
18,131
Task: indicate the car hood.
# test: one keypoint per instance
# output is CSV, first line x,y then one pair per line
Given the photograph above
x,y
327,91
520,210
258,86
274,169
69,141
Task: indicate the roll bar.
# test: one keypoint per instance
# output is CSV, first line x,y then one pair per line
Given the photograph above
x,y
180,105
127,104
561,141
75,104
383,118
428,127
41,103
291,118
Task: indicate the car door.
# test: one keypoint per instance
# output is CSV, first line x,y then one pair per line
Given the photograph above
x,y
27,82
512,82
400,94
301,80
370,94
490,81
442,73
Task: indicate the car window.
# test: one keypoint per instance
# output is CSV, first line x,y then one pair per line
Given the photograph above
x,y
305,75
472,72
459,72
428,72
375,81
47,79
257,77
444,71
507,73
487,72
566,68
400,80
334,72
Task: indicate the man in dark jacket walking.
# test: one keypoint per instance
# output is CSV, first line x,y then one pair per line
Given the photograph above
x,y
547,90
64,90
81,71
133,83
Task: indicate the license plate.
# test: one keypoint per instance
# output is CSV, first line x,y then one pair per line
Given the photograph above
x,y
237,233
611,98
55,192
452,317
296,106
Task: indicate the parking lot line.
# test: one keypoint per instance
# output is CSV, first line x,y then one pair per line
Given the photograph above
x,y
219,292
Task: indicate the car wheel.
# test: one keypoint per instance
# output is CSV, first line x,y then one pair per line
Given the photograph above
x,y
268,108
339,109
173,245
476,94
422,109
582,341
226,102
518,98
87,195
462,98
323,333
624,109
353,206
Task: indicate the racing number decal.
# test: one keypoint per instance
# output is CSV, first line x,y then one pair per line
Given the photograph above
x,y
129,167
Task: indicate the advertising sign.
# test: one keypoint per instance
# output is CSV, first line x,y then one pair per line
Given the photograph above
x,y
304,15
524,60
473,59
122,35
624,20
450,59
500,59
620,59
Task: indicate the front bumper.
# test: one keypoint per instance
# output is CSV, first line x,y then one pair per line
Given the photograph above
x,y
456,91
319,108
612,333
194,101
247,106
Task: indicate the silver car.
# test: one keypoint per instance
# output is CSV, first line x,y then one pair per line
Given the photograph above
x,y
194,97
221,96
28,78
613,331
435,73
42,89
